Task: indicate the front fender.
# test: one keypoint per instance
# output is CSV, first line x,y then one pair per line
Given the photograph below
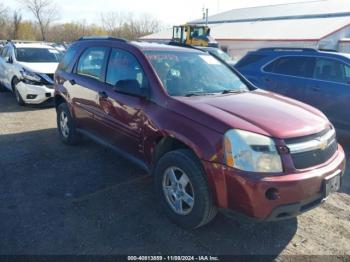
x,y
206,143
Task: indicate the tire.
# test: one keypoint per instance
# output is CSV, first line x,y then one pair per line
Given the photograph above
x,y
66,126
182,162
19,98
2,88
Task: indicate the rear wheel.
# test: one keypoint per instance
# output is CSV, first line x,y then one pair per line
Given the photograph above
x,y
183,189
2,88
66,125
19,98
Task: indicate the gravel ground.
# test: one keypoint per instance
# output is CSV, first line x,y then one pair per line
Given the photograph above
x,y
57,199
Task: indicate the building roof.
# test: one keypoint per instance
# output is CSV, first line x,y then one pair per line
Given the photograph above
x,y
163,35
306,21
284,30
307,9
290,29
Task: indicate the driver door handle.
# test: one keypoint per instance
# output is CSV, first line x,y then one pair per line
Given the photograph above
x,y
72,82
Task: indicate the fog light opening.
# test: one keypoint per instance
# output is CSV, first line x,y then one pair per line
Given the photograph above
x,y
272,194
31,96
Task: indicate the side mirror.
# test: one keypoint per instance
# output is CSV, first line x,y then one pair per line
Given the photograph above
x,y
10,60
131,87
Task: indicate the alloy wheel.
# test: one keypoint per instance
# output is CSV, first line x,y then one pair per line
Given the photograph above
x,y
64,124
178,190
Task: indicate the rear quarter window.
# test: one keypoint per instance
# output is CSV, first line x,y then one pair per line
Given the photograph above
x,y
248,60
68,58
92,62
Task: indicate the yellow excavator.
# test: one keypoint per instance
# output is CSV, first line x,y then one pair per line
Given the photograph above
x,y
192,35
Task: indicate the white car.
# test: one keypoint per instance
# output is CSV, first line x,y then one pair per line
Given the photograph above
x,y
27,69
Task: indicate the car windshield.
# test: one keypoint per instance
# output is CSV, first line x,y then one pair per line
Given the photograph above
x,y
221,54
37,55
190,73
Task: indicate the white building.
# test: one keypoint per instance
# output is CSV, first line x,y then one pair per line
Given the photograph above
x,y
323,24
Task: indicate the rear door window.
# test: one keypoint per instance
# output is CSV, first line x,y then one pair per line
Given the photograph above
x,y
293,66
332,70
92,62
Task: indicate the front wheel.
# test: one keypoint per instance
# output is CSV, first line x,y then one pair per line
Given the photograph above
x,y
183,189
19,98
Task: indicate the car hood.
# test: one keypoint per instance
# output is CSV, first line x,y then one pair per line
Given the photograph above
x,y
46,68
256,111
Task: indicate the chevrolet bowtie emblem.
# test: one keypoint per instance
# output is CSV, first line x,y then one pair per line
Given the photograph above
x,y
323,144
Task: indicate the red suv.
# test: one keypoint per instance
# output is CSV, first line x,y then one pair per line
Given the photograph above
x,y
211,139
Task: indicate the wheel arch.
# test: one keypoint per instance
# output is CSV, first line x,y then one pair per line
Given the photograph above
x,y
59,100
167,143
12,82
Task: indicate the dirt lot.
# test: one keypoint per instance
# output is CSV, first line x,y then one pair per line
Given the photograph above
x,y
56,199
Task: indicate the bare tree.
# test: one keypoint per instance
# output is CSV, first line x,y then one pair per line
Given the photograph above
x,y
15,24
128,26
44,11
112,22
3,21
3,9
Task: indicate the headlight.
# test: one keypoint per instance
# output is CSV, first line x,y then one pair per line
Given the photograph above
x,y
252,152
30,77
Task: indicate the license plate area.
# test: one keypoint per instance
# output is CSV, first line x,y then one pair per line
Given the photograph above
x,y
332,183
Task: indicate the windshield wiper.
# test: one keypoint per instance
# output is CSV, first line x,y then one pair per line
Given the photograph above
x,y
191,94
198,94
233,91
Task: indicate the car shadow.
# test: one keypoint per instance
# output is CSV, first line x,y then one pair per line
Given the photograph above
x,y
227,236
9,104
344,140
85,199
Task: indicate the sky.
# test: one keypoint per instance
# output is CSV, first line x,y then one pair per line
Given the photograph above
x,y
169,12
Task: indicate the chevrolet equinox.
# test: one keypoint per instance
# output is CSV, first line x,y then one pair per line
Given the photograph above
x,y
212,140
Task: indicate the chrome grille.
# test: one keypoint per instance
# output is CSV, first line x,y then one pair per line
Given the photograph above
x,y
313,150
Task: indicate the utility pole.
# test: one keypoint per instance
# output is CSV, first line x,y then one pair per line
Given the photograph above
x,y
206,16
205,12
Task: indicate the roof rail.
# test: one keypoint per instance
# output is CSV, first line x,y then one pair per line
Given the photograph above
x,y
328,50
286,49
27,42
102,38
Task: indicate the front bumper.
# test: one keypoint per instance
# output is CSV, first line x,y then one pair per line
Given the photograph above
x,y
35,94
245,193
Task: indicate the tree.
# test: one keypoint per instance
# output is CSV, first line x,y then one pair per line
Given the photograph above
x,y
3,9
44,11
3,21
127,26
15,25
